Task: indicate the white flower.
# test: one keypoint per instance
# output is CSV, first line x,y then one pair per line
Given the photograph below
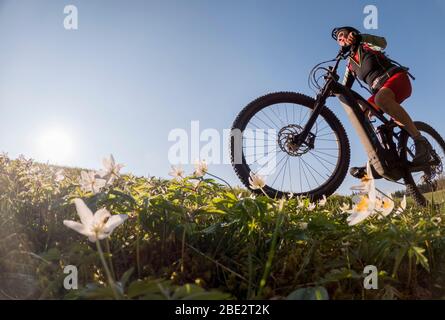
x,y
201,168
384,206
300,203
436,220
89,182
256,181
367,182
96,227
311,206
363,207
112,169
177,172
322,202
402,206
195,183
59,176
290,195
345,207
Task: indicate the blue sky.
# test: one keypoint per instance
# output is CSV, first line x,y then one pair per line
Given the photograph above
x,y
135,70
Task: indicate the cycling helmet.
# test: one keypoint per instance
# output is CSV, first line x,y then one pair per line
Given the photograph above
x,y
336,30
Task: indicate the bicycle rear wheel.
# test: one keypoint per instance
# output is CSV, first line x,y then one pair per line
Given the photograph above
x,y
425,187
266,129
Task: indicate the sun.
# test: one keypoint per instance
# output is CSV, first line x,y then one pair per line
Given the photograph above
x,y
55,145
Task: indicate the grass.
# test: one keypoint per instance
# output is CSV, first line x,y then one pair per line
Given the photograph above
x,y
437,196
194,238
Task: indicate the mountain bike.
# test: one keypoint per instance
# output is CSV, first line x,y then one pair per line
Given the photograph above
x,y
299,145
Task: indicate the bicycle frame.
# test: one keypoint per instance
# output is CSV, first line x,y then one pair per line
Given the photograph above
x,y
385,161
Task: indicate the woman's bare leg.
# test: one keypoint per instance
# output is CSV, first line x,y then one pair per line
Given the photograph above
x,y
386,100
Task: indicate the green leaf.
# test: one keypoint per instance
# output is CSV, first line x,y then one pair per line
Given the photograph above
x,y
321,224
399,257
231,196
211,210
126,276
92,291
124,196
194,292
420,257
340,274
143,287
52,254
212,229
309,293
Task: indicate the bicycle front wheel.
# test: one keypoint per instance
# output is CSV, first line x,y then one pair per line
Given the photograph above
x,y
267,128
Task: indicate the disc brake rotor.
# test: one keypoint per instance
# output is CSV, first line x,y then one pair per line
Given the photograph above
x,y
287,137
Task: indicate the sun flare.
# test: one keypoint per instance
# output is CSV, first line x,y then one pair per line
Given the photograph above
x,y
55,145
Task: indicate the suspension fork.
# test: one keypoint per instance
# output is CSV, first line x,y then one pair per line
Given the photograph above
x,y
318,108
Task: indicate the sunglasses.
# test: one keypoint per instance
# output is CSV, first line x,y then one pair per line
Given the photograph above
x,y
342,34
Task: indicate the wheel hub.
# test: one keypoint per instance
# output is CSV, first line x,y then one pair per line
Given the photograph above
x,y
288,140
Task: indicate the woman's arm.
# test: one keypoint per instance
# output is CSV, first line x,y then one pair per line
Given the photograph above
x,y
348,78
374,40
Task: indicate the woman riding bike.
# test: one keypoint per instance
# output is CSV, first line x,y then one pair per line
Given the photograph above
x,y
389,84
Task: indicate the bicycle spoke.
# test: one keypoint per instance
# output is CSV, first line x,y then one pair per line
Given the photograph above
x,y
265,155
278,174
284,173
279,119
324,153
279,171
277,127
304,162
305,115
301,110
266,145
268,163
325,134
327,140
290,177
287,119
321,163
318,157
304,172
267,125
325,127
259,139
272,135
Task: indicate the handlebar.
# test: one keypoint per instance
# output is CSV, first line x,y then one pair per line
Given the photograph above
x,y
331,71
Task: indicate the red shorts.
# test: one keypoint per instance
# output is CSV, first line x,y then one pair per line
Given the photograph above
x,y
399,84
